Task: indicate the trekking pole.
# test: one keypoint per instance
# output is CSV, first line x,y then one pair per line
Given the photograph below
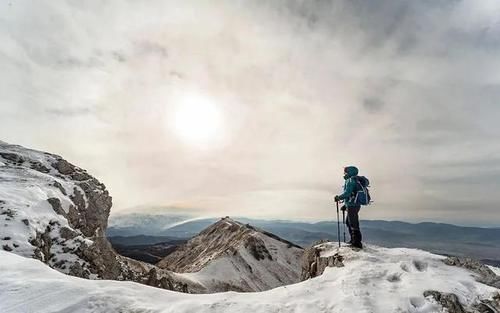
x,y
343,222
338,222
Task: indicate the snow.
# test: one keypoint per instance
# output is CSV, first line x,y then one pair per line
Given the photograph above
x,y
25,192
372,280
495,270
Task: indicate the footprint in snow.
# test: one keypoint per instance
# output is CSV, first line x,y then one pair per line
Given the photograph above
x,y
417,302
394,278
422,305
420,265
404,267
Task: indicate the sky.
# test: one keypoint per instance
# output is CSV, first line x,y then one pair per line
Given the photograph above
x,y
253,108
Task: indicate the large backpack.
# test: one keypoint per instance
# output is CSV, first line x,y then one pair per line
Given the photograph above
x,y
362,194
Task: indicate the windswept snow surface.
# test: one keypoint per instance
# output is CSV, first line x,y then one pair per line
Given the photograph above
x,y
495,270
373,280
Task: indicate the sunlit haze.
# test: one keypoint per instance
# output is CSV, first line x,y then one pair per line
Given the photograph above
x,y
253,108
197,121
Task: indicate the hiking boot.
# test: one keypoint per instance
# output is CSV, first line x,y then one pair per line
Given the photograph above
x,y
352,237
358,245
355,241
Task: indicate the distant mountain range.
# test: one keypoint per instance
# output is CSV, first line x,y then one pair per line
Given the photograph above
x,y
476,242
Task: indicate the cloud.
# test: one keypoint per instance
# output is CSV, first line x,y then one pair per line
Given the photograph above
x,y
68,112
403,90
148,47
373,104
474,164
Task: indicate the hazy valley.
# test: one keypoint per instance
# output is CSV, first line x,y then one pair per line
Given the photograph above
x,y
446,239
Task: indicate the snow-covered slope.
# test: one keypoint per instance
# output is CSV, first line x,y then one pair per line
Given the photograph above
x,y
229,255
373,280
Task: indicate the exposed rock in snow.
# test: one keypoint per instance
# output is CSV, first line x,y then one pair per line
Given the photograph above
x,y
375,280
451,303
314,264
485,274
488,305
232,256
448,301
56,212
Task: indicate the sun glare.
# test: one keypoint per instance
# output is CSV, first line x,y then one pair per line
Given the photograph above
x,y
197,121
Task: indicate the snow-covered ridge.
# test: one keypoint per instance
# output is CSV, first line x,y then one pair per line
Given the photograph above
x,y
375,280
230,255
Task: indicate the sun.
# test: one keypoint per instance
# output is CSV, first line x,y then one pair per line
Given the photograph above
x,y
197,120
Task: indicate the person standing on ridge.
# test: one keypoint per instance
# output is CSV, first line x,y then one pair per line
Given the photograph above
x,y
351,187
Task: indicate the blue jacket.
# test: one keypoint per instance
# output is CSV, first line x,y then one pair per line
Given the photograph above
x,y
350,186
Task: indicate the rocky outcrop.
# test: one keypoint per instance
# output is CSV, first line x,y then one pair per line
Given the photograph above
x,y
56,212
162,279
488,305
314,262
484,274
451,303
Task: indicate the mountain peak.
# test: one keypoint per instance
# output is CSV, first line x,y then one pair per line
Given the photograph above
x,y
257,259
227,222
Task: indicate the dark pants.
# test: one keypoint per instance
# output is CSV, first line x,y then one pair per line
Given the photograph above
x,y
352,222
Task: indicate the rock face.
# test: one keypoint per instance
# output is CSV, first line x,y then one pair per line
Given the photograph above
x,y
56,212
314,263
229,255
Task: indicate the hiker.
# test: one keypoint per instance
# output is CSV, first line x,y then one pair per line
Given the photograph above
x,y
351,187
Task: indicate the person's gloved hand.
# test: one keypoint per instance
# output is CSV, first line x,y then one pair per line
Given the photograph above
x,y
337,199
343,208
